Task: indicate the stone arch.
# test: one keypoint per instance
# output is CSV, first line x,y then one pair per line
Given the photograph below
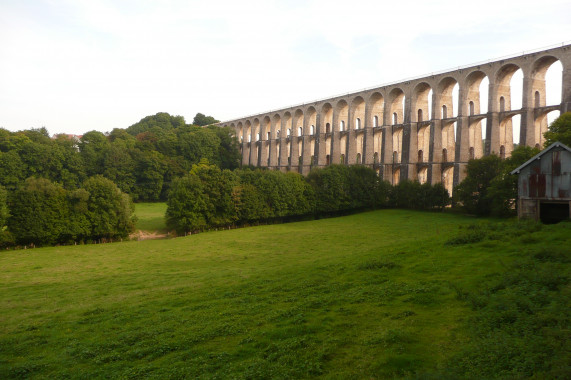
x,y
448,179
539,94
445,97
357,112
397,144
503,85
240,129
423,175
342,111
256,130
297,124
276,126
327,121
248,129
311,115
472,94
396,103
266,128
376,107
421,102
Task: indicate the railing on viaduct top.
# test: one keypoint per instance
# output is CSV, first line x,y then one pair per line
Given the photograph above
x,y
509,56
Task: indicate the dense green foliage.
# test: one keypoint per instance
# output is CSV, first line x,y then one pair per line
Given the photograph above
x,y
141,160
208,197
489,188
385,294
44,213
559,130
202,120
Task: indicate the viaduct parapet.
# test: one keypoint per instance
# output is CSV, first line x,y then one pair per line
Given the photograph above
x,y
393,129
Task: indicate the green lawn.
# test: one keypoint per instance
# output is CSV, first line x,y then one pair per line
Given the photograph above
x,y
151,217
373,295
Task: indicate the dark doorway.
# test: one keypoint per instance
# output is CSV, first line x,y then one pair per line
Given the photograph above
x,y
551,213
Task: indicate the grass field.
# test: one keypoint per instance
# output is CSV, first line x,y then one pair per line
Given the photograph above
x,y
376,295
151,217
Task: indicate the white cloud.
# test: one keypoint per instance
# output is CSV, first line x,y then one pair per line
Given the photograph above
x,y
74,66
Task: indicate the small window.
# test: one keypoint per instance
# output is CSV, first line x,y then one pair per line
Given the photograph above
x,y
312,130
342,126
300,131
419,115
444,112
502,104
471,108
358,123
327,128
395,118
375,122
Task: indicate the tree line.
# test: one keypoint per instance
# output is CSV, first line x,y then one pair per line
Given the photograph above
x,y
142,160
209,197
40,212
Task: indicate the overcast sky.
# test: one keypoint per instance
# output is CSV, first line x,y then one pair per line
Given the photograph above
x,y
78,65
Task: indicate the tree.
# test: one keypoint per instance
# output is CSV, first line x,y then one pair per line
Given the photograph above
x,y
187,205
3,207
559,130
201,120
502,192
162,120
109,211
472,193
38,212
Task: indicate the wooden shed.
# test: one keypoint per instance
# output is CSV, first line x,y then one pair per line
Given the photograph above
x,y
544,185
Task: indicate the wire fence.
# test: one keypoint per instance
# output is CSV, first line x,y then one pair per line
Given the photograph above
x,y
509,56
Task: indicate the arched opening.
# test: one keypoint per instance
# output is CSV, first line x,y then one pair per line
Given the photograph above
x,y
357,112
396,176
444,112
342,112
471,153
422,102
257,134
327,162
448,179
327,128
397,101
476,94
420,156
376,158
300,131
342,159
422,175
312,129
397,144
358,158
444,155
376,105
278,134
547,89
288,133
327,118
509,97
502,152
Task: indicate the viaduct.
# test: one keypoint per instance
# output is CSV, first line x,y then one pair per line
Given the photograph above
x,y
410,129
